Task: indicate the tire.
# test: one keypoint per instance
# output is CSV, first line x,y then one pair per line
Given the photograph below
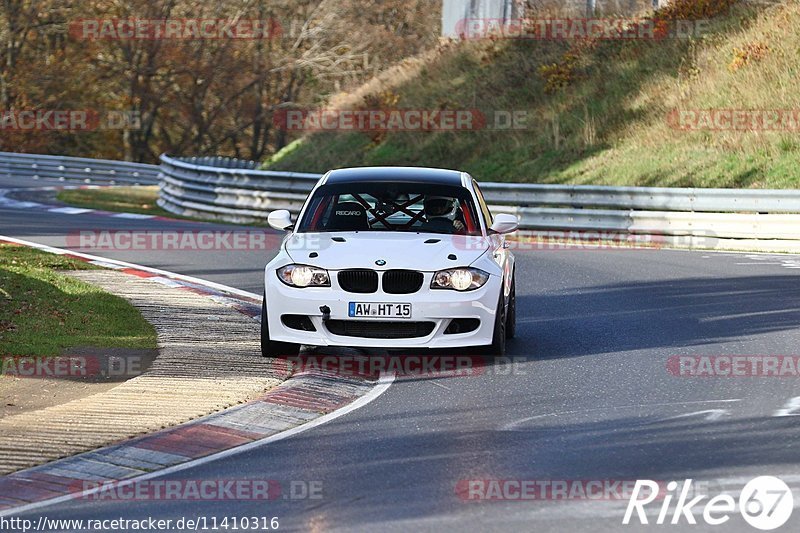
x,y
511,313
498,346
270,348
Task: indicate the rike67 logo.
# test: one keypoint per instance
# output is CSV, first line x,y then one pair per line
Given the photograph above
x,y
766,503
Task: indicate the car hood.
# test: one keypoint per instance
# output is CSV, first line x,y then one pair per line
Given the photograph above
x,y
415,251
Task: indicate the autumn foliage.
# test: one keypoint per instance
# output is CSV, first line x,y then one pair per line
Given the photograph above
x,y
189,95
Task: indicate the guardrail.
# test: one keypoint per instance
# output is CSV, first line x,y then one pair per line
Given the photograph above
x,y
196,188
726,218
80,169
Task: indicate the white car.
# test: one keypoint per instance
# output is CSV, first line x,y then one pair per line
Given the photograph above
x,y
391,257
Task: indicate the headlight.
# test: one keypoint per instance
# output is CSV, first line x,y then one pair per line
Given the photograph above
x,y
304,276
459,279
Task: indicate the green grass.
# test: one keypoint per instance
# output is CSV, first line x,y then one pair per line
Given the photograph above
x,y
611,118
141,200
43,312
138,199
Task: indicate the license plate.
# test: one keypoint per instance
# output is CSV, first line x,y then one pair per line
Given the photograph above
x,y
379,310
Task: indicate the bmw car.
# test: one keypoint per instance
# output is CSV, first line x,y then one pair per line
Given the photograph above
x,y
394,258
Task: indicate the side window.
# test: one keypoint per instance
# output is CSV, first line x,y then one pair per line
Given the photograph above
x,y
487,215
325,215
318,213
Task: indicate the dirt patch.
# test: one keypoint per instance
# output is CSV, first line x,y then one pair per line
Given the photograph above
x,y
209,360
29,384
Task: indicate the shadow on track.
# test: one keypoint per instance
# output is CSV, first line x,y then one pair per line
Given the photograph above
x,y
674,313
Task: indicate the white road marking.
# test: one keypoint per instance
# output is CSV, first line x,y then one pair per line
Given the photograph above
x,y
785,261
790,408
757,256
747,253
512,426
105,264
15,204
70,210
124,264
745,315
166,281
384,382
19,205
711,414
135,216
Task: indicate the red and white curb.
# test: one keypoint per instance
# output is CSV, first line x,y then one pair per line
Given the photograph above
x,y
12,203
304,401
246,302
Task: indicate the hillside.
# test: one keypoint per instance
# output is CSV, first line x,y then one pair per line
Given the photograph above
x,y
599,111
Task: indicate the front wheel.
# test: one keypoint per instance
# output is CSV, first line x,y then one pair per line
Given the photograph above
x,y
498,346
511,314
269,347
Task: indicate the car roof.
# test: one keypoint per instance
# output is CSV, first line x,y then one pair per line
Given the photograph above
x,y
399,174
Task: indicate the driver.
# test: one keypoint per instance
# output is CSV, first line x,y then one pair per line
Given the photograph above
x,y
440,214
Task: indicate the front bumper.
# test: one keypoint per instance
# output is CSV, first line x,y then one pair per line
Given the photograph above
x,y
439,307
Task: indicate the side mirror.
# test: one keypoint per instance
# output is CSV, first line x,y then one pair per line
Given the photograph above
x,y
280,219
504,223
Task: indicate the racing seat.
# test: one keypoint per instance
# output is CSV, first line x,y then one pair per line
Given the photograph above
x,y
348,216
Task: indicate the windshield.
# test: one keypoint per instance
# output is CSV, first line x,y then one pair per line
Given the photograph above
x,y
389,206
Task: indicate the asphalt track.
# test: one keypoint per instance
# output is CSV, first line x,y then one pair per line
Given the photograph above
x,y
591,397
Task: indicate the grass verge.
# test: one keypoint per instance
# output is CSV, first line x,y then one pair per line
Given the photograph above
x,y
42,312
141,200
598,112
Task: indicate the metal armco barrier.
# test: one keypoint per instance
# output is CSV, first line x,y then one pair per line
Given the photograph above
x,y
101,171
731,218
234,192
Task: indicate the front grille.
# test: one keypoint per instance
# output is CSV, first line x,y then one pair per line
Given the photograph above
x,y
360,281
371,329
402,281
